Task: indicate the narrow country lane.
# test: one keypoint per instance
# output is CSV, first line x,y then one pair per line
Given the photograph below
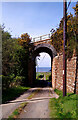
x,y
8,108
39,105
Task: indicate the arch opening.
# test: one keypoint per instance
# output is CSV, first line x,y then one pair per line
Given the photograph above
x,y
44,47
43,70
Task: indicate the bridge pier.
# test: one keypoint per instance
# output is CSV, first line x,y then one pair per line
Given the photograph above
x,y
31,72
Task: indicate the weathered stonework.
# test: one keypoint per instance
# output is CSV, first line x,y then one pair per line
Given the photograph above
x,y
43,47
57,67
57,74
31,72
77,88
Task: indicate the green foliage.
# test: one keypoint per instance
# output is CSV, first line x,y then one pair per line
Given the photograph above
x,y
76,8
6,81
11,52
40,75
14,59
24,40
57,36
64,107
18,80
12,93
48,76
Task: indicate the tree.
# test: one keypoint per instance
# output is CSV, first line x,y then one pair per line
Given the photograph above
x,y
14,59
24,41
57,36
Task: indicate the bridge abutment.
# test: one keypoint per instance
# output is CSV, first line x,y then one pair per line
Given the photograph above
x,y
72,74
31,72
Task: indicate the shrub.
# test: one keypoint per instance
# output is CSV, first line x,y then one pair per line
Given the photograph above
x,y
6,80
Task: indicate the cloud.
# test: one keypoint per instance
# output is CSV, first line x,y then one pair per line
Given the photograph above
x,y
44,60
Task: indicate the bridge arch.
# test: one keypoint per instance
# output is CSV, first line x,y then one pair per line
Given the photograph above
x,y
44,47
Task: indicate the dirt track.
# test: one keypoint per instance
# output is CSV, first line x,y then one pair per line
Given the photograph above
x,y
8,108
39,107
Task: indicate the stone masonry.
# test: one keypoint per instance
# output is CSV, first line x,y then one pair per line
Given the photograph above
x,y
57,74
44,45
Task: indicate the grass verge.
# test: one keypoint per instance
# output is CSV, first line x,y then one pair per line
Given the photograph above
x,y
13,93
16,112
64,107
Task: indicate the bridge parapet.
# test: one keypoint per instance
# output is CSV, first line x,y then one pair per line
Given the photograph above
x,y
41,38
47,41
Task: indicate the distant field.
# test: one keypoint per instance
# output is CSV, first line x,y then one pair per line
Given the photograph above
x,y
43,76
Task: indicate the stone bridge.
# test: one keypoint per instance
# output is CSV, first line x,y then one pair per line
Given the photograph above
x,y
42,39
43,44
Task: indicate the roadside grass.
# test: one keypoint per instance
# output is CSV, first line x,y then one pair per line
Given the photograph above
x,y
64,107
13,93
17,111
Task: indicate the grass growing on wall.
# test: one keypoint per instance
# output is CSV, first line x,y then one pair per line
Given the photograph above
x,y
63,107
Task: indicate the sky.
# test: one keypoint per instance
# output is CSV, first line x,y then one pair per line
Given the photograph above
x,y
44,60
34,18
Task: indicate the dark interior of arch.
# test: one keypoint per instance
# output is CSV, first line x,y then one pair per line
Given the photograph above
x,y
36,82
42,49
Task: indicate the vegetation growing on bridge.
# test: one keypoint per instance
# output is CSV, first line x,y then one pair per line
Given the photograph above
x,y
72,26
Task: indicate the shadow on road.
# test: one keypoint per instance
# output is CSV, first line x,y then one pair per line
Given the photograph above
x,y
42,83
41,95
31,100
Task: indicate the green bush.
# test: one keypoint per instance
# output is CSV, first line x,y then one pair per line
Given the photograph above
x,y
12,93
6,80
18,80
11,81
14,59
